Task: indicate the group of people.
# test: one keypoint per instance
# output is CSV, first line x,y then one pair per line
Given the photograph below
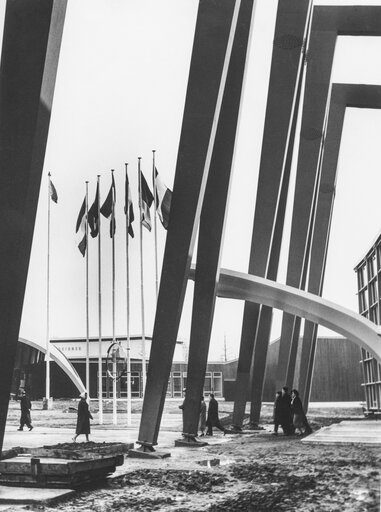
x,y
208,416
289,413
83,414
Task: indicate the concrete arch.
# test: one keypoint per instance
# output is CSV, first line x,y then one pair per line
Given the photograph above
x,y
238,285
62,361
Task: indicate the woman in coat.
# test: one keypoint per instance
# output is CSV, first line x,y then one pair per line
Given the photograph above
x,y
83,418
299,418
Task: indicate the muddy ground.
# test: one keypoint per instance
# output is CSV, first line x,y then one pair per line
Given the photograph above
x,y
248,472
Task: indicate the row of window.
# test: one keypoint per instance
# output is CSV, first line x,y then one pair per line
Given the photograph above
x,y
368,281
176,384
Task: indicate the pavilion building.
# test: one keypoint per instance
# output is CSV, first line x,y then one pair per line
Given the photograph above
x,y
368,272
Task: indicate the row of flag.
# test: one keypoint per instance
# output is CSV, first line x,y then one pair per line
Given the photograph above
x,y
163,206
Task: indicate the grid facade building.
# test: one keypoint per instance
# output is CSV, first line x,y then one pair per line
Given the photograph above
x,y
368,272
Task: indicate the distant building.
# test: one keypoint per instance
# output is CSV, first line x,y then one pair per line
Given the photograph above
x,y
337,373
368,272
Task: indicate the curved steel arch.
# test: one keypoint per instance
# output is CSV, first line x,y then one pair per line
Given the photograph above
x,y
238,285
62,361
363,332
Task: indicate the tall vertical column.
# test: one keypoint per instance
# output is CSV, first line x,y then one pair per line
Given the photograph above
x,y
213,41
282,104
342,95
212,222
31,45
327,23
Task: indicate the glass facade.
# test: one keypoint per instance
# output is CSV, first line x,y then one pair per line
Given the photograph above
x,y
369,292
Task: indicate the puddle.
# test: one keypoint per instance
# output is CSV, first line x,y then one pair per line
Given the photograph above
x,y
209,463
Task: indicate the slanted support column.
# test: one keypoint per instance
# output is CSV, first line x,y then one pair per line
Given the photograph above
x,y
285,75
327,22
342,95
212,222
29,59
214,35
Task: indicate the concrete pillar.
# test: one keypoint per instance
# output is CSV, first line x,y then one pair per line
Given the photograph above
x,y
214,35
327,22
342,95
212,221
285,75
31,44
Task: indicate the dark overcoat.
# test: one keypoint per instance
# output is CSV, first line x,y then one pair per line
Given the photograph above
x,y
83,418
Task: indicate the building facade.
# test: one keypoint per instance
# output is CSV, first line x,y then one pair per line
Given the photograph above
x,y
337,374
368,272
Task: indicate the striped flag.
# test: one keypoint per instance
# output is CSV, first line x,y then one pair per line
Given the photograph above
x,y
128,208
146,202
80,229
108,207
93,218
163,200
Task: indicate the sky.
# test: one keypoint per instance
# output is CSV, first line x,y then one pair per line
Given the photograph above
x,y
120,93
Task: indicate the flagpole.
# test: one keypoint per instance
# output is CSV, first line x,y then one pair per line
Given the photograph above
x,y
142,282
47,383
87,295
128,311
114,403
100,388
155,223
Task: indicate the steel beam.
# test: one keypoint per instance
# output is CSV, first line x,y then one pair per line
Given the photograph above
x,y
213,40
212,222
328,22
281,110
342,96
29,59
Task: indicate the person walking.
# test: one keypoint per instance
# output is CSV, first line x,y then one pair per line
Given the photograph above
x,y
213,419
202,422
285,413
83,418
299,419
26,406
276,415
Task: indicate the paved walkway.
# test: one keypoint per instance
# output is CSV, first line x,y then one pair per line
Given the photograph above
x,y
348,432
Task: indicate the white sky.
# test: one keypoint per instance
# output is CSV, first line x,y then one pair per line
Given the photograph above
x,y
120,93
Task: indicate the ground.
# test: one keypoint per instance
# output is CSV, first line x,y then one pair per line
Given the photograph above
x,y
248,472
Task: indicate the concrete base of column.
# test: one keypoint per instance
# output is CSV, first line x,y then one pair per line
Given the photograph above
x,y
190,441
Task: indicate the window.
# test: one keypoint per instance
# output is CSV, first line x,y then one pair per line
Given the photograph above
x,y
177,386
217,383
208,384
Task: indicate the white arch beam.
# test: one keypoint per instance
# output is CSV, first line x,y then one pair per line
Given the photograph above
x,y
238,285
62,361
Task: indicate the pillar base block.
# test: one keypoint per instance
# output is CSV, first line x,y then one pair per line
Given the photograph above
x,y
146,451
190,441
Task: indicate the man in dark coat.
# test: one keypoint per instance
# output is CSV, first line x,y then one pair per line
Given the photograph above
x,y
26,406
213,420
285,413
83,418
202,421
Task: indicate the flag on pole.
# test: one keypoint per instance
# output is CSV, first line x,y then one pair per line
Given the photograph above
x,y
163,200
147,200
128,208
93,219
52,191
80,229
108,207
